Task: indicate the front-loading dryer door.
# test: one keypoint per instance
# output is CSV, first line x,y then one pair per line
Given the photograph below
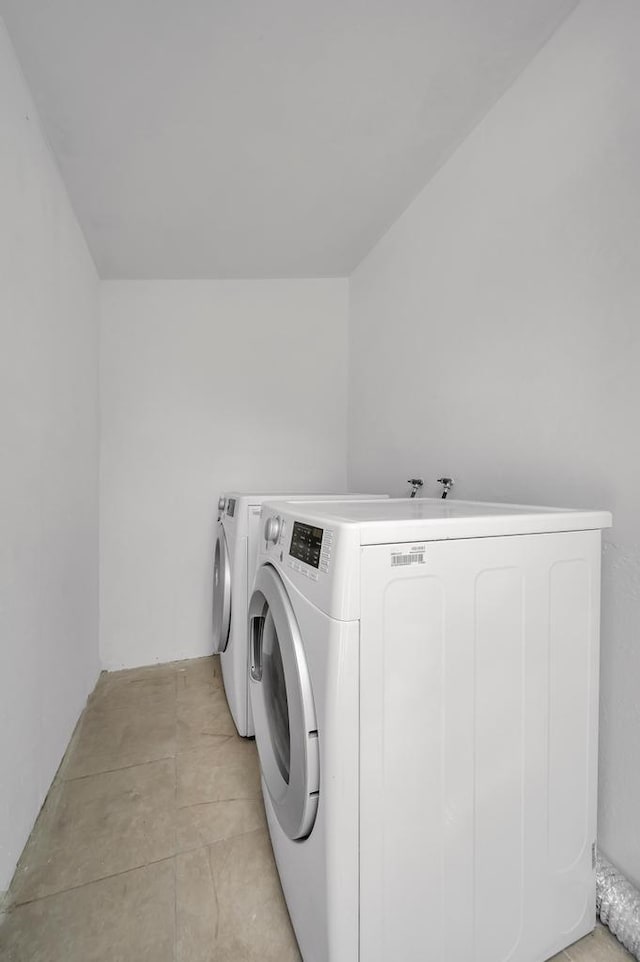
x,y
221,592
283,709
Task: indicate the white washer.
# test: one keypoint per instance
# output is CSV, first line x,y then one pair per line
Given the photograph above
x,y
233,571
424,683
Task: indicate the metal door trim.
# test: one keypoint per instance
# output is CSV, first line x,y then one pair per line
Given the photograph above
x,y
221,592
295,800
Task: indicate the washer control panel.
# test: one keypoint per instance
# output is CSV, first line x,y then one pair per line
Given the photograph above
x,y
310,550
306,543
327,548
318,553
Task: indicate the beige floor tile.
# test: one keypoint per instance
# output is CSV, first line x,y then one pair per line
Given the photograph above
x,y
146,672
600,946
125,918
133,735
230,906
203,715
4,905
210,822
155,767
98,826
201,697
225,769
196,908
158,692
199,672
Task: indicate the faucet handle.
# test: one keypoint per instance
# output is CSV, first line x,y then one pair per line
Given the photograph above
x,y
447,484
416,484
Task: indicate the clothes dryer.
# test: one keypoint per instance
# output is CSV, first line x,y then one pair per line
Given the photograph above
x,y
424,683
233,571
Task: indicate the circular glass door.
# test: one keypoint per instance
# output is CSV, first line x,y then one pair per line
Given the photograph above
x,y
275,695
221,592
283,709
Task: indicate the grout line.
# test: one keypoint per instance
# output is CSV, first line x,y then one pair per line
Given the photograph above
x,y
149,761
4,905
175,860
175,907
215,893
100,705
197,748
217,841
99,708
254,831
170,667
121,768
74,888
220,801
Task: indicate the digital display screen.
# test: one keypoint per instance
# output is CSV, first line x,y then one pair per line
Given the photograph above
x,y
306,542
231,507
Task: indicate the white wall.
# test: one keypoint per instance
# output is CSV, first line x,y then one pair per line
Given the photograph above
x,y
206,386
495,336
49,466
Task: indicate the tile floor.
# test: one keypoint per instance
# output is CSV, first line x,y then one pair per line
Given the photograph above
x,y
152,843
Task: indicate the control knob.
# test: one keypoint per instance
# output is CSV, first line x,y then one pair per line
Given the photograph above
x,y
221,503
272,529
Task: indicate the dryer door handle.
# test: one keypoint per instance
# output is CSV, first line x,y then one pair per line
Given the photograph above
x,y
257,634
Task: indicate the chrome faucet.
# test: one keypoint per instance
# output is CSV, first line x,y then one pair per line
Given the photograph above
x,y
447,484
416,484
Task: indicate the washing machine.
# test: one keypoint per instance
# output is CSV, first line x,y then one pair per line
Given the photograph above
x,y
424,684
233,570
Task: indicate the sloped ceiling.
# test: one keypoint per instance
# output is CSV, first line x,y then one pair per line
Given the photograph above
x,y
260,138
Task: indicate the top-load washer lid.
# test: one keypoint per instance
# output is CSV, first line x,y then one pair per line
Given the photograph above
x,y
221,592
283,706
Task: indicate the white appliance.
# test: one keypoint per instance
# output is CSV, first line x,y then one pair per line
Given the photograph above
x,y
233,571
424,683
